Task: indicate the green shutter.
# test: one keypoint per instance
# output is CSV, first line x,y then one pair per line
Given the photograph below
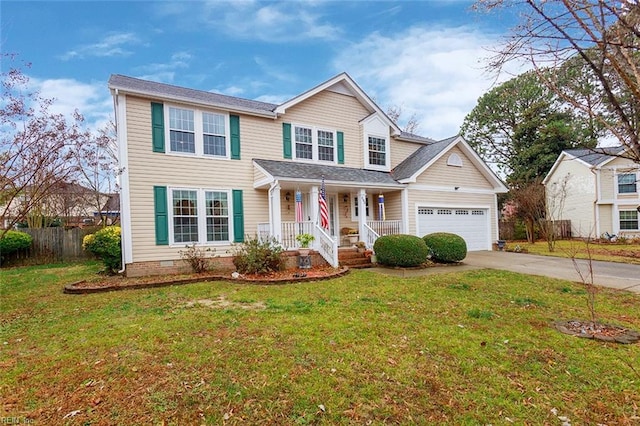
x,y
161,214
157,126
340,148
235,136
286,139
238,216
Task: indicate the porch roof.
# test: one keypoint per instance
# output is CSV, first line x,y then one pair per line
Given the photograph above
x,y
335,175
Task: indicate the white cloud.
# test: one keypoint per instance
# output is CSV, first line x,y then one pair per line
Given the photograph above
x,y
92,100
436,73
112,45
165,72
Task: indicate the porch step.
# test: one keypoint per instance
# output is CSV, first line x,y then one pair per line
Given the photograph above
x,y
353,259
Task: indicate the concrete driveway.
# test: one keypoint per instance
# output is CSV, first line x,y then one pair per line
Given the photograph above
x,y
606,274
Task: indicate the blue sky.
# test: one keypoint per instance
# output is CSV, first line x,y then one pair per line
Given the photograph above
x,y
424,56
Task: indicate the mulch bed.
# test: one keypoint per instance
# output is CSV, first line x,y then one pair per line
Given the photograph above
x,y
281,277
597,331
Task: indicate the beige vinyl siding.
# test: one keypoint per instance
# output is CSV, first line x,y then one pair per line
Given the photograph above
x,y
332,111
440,174
419,197
147,169
579,196
400,150
393,205
618,166
606,219
607,186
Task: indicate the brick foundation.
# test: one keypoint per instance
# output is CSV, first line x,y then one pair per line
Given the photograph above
x,y
178,266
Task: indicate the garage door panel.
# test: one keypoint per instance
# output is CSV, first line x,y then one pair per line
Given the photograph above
x,y
471,224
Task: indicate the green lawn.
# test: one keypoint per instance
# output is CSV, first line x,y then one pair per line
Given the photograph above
x,y
458,348
624,253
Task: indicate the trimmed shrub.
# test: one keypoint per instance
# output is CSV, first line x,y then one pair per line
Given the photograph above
x,y
105,244
446,247
14,241
401,250
258,257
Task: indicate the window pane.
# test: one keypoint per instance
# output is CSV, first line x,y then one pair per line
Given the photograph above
x,y
181,119
377,148
304,143
628,220
325,145
182,141
185,216
215,145
213,123
627,183
217,216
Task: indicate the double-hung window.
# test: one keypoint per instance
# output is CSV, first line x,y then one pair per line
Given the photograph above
x,y
377,151
182,130
629,220
200,216
314,144
627,183
201,133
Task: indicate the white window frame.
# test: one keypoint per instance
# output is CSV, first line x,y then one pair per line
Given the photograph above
x,y
199,132
201,215
628,220
387,165
369,207
635,176
315,155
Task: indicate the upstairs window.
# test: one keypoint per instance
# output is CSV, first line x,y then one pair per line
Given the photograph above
x,y
196,132
627,183
377,151
182,130
314,144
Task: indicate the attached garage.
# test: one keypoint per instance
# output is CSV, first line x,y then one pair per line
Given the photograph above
x,y
472,224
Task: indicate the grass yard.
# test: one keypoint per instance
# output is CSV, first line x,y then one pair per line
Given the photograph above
x,y
459,348
612,252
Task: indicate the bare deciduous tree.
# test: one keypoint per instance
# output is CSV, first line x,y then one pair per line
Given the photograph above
x,y
36,149
599,40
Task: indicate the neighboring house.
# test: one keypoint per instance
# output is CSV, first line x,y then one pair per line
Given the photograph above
x,y
205,168
597,190
110,211
70,203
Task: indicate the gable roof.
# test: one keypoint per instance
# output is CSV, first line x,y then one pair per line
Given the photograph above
x,y
310,172
596,157
422,156
342,83
415,164
137,86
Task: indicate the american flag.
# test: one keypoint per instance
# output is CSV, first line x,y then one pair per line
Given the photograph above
x,y
324,211
299,216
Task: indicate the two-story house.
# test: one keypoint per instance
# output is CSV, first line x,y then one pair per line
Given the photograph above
x,y
210,169
597,190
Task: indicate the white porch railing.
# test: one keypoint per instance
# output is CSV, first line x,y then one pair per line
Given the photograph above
x,y
288,232
326,245
385,227
370,236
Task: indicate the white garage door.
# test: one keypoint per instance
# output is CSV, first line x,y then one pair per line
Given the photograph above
x,y
470,224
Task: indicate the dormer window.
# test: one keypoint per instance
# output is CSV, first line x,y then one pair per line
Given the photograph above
x,y
377,151
376,144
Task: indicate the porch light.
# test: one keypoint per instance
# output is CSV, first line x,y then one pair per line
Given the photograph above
x,y
287,196
345,198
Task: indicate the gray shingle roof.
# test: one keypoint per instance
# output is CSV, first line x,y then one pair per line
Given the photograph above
x,y
297,170
595,156
152,88
416,138
419,158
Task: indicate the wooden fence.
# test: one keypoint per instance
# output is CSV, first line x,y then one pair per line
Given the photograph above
x,y
52,245
514,230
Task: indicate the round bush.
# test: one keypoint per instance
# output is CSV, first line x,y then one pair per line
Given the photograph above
x,y
446,247
106,245
13,241
401,250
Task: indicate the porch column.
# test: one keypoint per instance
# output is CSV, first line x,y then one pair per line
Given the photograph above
x,y
362,212
404,199
275,219
315,210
